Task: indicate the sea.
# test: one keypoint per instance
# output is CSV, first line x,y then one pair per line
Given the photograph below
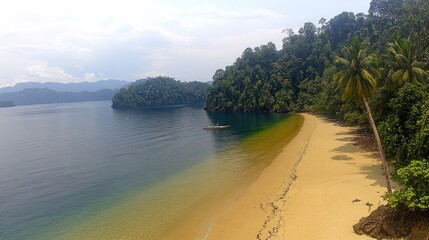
x,y
87,171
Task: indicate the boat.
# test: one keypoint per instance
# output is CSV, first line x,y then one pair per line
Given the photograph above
x,y
214,127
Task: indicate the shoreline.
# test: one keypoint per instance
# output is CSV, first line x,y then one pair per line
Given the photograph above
x,y
184,205
198,224
316,188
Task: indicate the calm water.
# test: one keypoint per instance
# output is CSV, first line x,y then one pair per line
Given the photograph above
x,y
75,170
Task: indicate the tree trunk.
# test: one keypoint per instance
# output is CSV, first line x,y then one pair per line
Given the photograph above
x,y
380,147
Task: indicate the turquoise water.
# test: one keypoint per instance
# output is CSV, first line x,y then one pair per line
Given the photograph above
x,y
66,168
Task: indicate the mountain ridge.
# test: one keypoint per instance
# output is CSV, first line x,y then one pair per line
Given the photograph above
x,y
30,96
68,87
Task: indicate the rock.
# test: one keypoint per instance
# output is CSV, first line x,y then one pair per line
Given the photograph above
x,y
388,223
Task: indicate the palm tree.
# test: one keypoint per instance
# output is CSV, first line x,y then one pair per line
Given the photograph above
x,y
357,79
403,63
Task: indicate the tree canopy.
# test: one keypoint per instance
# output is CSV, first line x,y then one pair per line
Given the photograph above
x,y
403,63
159,91
293,77
357,77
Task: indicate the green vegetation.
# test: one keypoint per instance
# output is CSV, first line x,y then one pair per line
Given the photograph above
x,y
403,64
415,194
254,83
159,91
385,67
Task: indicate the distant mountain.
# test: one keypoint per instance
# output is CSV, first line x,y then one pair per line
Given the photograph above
x,y
41,96
68,87
7,104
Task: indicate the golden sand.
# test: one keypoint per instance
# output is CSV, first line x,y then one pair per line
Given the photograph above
x,y
317,188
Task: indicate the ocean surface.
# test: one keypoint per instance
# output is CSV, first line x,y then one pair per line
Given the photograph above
x,y
87,171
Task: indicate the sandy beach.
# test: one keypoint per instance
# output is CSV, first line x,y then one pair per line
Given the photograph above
x,y
317,188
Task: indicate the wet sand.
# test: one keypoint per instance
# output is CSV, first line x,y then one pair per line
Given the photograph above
x,y
317,188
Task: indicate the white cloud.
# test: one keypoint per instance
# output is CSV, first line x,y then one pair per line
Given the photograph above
x,y
91,77
42,72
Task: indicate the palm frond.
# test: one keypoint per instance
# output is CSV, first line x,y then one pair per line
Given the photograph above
x,y
368,83
401,59
403,63
341,61
407,76
420,72
349,89
357,78
396,76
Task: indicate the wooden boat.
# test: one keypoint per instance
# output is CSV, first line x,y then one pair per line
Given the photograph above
x,y
214,127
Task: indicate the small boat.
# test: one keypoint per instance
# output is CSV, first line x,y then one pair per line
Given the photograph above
x,y
214,127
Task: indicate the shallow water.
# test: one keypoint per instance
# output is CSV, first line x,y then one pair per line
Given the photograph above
x,y
86,171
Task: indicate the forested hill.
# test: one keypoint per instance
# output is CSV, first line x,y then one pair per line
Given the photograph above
x,y
299,75
160,91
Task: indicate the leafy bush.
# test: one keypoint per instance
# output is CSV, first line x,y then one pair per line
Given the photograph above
x,y
401,126
421,142
415,194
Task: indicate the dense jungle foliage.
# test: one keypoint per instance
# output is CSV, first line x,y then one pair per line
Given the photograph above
x,y
394,35
159,91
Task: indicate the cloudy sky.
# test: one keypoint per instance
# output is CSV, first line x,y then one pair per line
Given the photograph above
x,y
88,40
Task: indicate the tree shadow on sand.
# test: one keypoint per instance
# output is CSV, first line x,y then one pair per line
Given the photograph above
x,y
343,133
375,173
346,139
342,157
347,148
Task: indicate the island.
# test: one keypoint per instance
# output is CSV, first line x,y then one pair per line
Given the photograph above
x,y
159,91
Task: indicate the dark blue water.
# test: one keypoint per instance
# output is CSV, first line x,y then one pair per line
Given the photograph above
x,y
56,159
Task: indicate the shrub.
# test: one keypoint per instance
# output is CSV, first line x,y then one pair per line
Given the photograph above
x,y
415,194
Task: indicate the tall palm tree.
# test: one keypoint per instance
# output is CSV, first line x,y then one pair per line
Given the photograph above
x,y
403,63
357,79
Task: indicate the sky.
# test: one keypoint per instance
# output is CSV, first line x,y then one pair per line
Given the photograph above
x,y
89,40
